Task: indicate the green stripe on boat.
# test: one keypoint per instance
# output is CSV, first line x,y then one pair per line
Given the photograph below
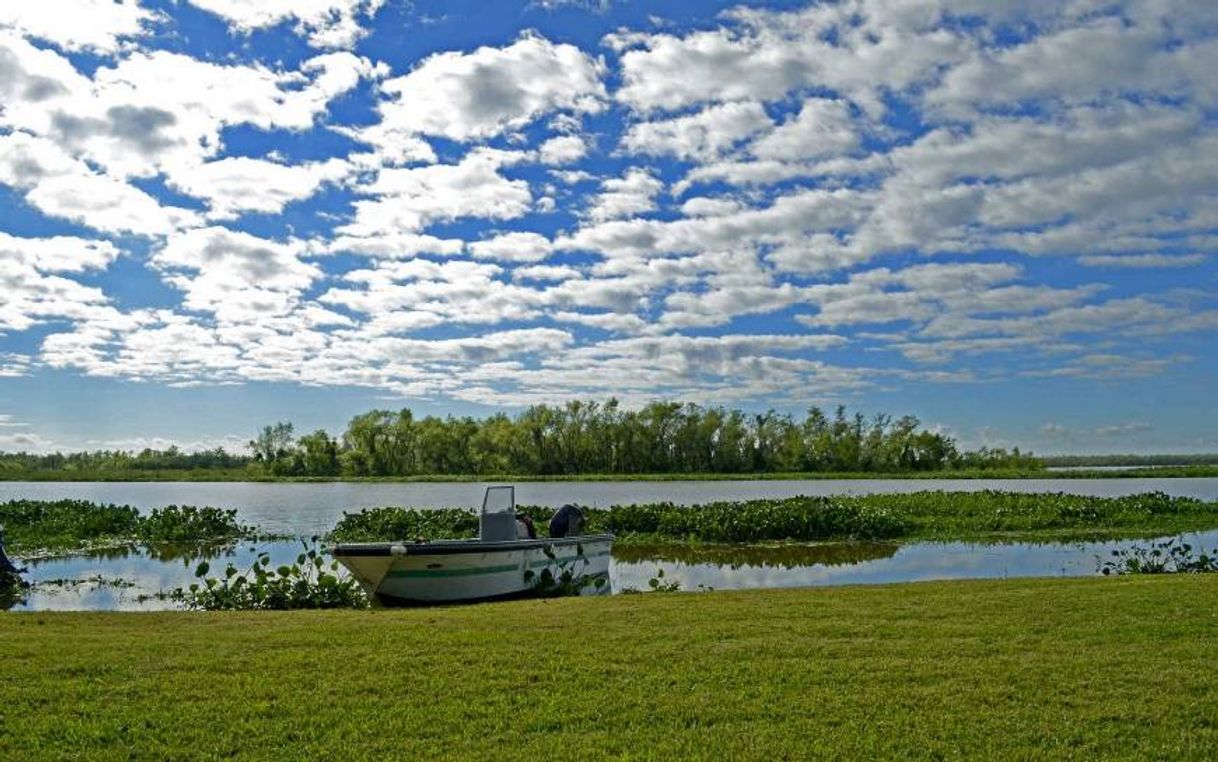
x,y
469,571
458,572
565,559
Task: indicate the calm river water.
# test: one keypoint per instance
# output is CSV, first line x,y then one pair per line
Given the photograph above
x,y
124,580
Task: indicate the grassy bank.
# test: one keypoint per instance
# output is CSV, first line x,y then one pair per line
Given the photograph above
x,y
1013,669
244,475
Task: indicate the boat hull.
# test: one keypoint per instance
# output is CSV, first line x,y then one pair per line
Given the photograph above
x,y
471,570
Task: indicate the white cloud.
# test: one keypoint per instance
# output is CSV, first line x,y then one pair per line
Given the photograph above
x,y
470,96
563,149
326,23
512,247
632,193
94,25
821,128
236,185
409,199
233,274
61,186
700,136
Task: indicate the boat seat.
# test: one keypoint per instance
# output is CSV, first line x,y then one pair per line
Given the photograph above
x,y
496,527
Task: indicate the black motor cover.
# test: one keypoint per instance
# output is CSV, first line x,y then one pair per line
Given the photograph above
x,y
567,521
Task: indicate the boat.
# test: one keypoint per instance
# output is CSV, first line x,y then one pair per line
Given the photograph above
x,y
502,563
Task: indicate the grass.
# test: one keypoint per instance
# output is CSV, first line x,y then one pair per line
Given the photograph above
x,y
243,475
982,515
1027,669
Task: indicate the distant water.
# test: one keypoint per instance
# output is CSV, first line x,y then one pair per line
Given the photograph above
x,y
309,508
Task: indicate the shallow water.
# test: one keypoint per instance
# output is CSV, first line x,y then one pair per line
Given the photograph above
x,y
308,508
127,580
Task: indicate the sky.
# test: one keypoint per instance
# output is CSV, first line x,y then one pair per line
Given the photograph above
x,y
999,216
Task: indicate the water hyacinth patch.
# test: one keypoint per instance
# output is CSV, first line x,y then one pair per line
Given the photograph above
x,y
919,515
63,526
1172,556
311,582
182,523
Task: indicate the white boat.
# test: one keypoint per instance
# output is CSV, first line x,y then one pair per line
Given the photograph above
x,y
499,564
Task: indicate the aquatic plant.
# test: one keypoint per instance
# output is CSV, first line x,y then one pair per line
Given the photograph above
x,y
923,515
183,523
1172,556
58,526
309,583
65,524
571,578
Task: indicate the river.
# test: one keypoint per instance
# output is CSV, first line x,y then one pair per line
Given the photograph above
x,y
312,508
129,579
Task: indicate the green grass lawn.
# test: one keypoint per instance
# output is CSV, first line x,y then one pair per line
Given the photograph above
x,y
1078,668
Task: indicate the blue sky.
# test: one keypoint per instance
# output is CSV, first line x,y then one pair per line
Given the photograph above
x,y
999,216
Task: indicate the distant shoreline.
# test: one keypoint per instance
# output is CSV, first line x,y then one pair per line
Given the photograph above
x,y
241,475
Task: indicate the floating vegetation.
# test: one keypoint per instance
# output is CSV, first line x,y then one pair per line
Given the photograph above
x,y
917,515
309,583
1172,556
59,526
182,523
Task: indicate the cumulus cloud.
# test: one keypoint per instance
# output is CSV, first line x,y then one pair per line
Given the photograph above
x,y
709,212
234,274
702,135
625,196
409,199
93,25
472,96
236,185
325,23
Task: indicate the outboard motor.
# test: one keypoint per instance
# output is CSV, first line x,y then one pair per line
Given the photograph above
x,y
568,521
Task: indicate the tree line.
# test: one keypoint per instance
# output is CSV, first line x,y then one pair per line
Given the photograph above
x,y
108,461
605,438
575,438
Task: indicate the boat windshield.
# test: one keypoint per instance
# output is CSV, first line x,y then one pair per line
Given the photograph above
x,y
499,500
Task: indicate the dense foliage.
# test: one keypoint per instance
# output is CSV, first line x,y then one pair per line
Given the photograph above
x,y
939,515
186,523
64,525
106,461
310,583
595,438
559,440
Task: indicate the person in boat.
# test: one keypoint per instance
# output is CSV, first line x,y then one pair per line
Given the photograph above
x,y
525,527
568,521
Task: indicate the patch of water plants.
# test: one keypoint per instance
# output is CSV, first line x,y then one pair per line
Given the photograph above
x,y
38,527
1173,556
937,515
311,582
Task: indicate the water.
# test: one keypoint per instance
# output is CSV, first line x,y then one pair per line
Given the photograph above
x,y
306,508
129,579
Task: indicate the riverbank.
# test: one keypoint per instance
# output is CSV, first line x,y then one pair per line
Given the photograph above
x,y
1014,669
243,475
